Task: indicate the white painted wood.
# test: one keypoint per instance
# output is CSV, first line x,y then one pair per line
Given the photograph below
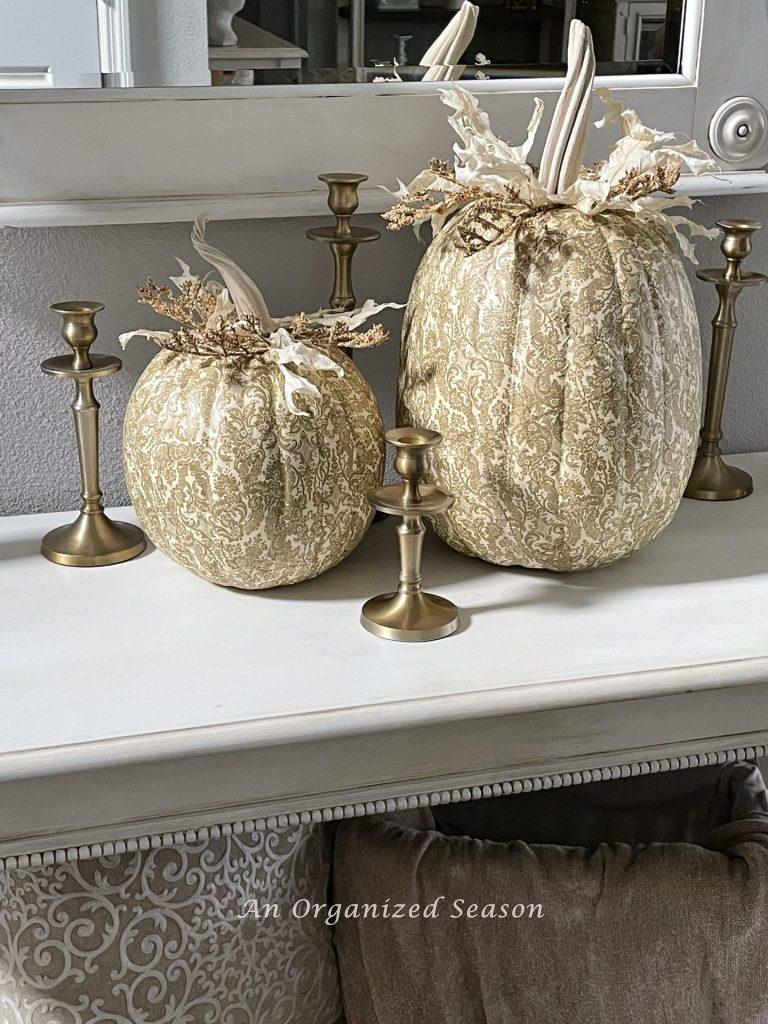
x,y
138,698
236,160
732,62
149,157
312,203
256,48
49,44
74,158
115,43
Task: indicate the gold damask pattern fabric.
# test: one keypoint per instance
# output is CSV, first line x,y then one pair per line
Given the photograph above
x,y
563,368
234,486
169,936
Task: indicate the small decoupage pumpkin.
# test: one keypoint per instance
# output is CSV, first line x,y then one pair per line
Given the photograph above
x,y
552,339
251,443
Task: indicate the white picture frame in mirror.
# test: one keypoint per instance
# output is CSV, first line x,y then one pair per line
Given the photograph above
x,y
115,155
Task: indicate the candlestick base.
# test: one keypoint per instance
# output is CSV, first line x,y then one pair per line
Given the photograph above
x,y
93,539
714,480
410,618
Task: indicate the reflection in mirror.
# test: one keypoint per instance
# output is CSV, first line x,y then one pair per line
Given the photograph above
x,y
275,42
365,40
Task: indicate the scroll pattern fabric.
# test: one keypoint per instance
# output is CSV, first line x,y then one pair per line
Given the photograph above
x,y
166,937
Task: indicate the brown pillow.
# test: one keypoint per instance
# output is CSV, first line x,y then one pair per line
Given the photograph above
x,y
657,934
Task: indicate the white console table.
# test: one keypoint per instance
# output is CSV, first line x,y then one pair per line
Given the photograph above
x,y
139,703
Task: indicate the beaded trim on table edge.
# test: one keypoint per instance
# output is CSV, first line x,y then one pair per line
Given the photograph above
x,y
337,812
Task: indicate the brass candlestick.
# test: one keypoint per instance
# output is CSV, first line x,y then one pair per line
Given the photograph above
x,y
410,614
342,237
711,478
93,539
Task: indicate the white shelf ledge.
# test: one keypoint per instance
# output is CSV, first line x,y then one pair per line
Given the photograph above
x,y
246,206
138,699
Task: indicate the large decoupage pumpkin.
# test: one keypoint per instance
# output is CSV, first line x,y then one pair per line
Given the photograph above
x,y
563,368
551,335
251,443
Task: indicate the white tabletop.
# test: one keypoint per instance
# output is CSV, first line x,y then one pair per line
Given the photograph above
x,y
256,48
113,665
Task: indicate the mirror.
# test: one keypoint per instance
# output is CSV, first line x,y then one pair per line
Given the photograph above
x,y
88,149
114,43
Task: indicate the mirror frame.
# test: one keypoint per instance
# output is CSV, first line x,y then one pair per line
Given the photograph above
x,y
115,156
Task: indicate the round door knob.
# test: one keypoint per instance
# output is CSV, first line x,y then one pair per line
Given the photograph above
x,y
738,131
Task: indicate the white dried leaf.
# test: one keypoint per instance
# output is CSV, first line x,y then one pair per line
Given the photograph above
x,y
223,310
353,318
643,147
158,336
186,274
284,349
484,160
446,50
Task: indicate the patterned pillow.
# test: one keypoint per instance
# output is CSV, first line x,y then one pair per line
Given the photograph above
x,y
198,933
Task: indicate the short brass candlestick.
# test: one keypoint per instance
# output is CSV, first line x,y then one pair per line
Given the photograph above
x,y
712,479
410,614
93,539
343,237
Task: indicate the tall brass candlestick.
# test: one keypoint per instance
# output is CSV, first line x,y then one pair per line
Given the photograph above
x,y
409,613
343,238
93,539
712,479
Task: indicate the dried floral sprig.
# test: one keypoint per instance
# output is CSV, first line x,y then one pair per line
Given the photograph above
x,y
428,203
491,222
232,320
592,171
204,333
494,180
637,184
337,335
193,306
493,213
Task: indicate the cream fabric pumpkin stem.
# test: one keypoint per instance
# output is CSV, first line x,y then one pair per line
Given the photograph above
x,y
567,138
573,157
443,55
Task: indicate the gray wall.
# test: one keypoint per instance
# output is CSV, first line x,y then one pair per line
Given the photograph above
x,y
169,43
38,470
